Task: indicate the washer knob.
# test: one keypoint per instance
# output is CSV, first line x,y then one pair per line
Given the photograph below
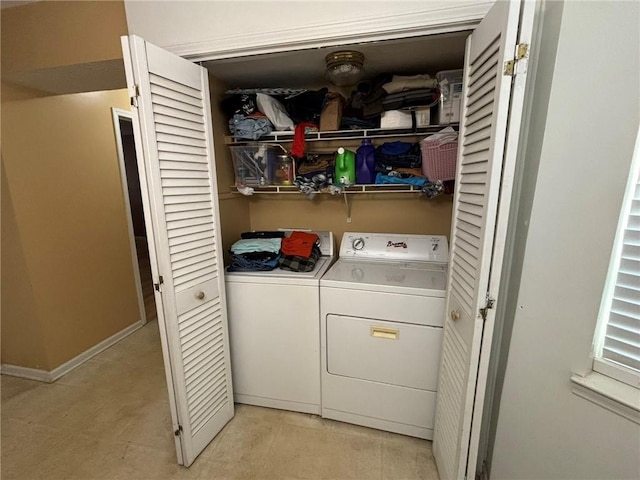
x,y
358,243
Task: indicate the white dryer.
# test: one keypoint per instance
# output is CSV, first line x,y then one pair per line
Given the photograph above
x,y
382,311
274,334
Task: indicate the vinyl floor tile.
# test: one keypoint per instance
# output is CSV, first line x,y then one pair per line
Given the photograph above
x,y
109,419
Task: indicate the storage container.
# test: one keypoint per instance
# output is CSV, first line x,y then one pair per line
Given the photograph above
x,y
450,84
404,118
439,159
254,164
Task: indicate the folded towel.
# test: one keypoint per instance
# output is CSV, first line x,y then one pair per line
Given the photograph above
x,y
256,245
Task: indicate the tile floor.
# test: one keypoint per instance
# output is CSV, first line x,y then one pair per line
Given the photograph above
x,y
109,419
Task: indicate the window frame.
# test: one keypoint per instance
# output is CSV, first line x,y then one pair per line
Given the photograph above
x,y
609,384
602,365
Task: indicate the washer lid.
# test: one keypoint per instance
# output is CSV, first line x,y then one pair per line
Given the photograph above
x,y
282,277
413,278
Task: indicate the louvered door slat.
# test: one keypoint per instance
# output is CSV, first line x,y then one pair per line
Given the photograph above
x,y
170,147
170,160
159,81
168,111
180,131
169,173
178,107
174,112
186,141
162,119
192,260
190,252
174,91
178,249
201,217
481,113
484,90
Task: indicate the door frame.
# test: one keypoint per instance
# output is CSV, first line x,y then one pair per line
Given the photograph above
x,y
117,115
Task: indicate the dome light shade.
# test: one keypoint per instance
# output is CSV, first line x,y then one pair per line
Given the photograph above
x,y
344,68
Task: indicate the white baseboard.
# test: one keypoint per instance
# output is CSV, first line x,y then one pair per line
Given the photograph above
x,y
56,373
26,372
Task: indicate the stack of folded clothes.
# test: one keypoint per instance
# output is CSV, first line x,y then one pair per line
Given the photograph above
x,y
411,91
255,254
300,252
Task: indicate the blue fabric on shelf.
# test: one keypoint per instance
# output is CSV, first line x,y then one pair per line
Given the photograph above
x,y
417,181
249,128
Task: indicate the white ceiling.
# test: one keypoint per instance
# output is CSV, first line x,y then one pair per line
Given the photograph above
x,y
303,68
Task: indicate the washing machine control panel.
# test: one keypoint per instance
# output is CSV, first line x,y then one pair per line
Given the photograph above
x,y
358,243
393,246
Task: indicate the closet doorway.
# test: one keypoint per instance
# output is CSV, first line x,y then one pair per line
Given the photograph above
x,y
132,196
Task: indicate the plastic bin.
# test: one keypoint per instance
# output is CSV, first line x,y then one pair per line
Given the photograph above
x,y
439,159
254,164
450,84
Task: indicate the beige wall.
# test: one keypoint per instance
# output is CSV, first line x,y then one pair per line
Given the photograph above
x,y
20,320
10,92
385,213
67,271
51,34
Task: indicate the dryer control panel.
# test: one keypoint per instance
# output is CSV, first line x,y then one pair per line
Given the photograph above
x,y
394,246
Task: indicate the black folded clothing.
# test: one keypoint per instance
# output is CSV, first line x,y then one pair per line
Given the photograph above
x,y
392,155
423,97
262,234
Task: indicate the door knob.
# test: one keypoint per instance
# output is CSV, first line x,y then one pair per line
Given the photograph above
x,y
454,315
200,295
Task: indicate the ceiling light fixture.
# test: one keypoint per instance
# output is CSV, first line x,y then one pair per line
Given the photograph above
x,y
345,67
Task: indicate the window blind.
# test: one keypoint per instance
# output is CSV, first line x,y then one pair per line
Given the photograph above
x,y
621,343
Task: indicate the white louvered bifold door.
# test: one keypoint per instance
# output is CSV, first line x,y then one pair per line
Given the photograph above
x,y
482,195
182,216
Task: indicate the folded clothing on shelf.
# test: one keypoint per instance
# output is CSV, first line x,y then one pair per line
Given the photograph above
x,y
249,245
295,263
299,244
254,261
262,234
411,98
392,155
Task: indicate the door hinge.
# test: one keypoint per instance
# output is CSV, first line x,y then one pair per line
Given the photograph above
x,y
518,64
134,95
160,282
490,302
178,431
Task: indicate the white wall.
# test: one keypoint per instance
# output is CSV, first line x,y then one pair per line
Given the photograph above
x,y
584,154
227,28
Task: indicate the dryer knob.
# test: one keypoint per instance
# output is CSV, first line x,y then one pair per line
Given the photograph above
x,y
358,243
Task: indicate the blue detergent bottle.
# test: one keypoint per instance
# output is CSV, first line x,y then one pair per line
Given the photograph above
x,y
365,163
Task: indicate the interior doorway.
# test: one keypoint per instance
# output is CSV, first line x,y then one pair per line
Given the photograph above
x,y
132,194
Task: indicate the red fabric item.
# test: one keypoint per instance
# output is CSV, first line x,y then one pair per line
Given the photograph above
x,y
299,244
298,146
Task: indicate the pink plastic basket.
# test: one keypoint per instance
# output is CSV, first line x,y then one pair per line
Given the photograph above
x,y
439,161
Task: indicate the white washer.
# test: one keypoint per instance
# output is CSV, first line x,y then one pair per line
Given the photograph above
x,y
274,334
382,311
